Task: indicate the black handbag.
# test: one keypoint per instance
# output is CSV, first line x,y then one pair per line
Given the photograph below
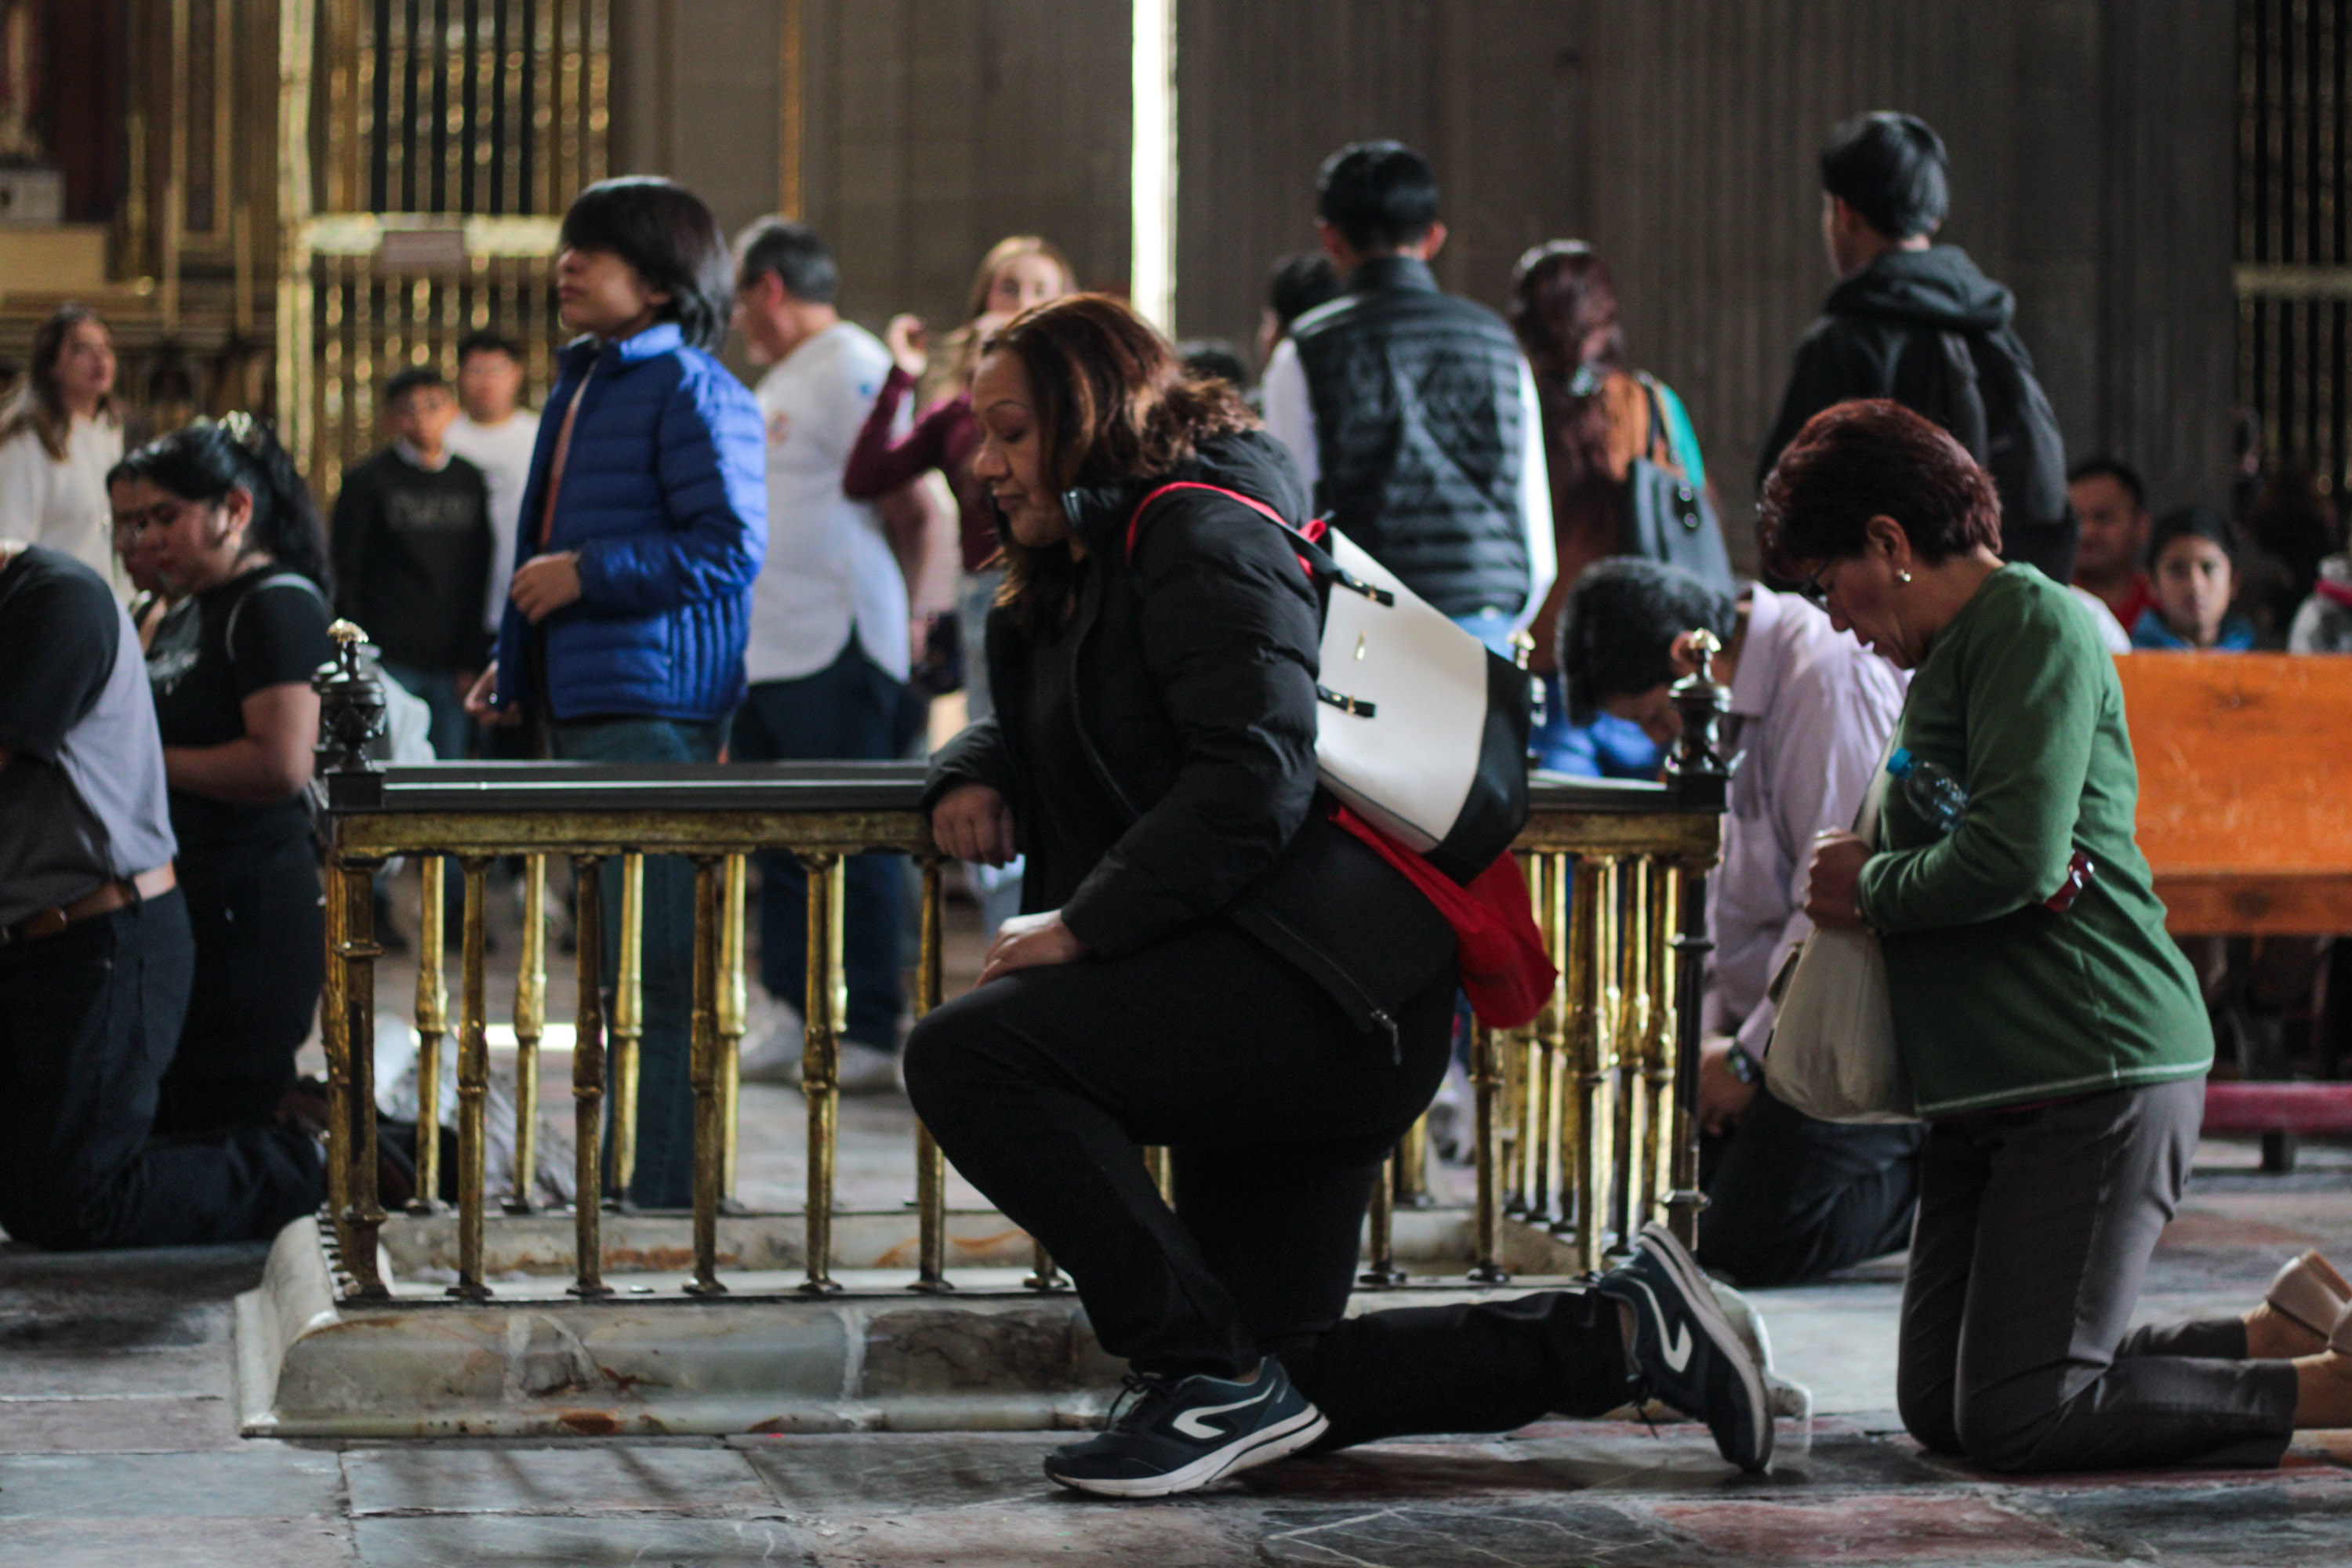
x,y
1663,517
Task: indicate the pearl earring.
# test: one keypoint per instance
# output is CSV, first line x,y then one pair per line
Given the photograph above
x,y
1902,576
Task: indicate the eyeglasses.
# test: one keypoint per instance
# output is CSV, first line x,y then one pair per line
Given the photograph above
x,y
1814,591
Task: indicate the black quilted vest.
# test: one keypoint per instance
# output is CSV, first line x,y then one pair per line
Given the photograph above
x,y
1418,434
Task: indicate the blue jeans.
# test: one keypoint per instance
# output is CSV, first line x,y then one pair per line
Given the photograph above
x,y
844,712
449,730
664,1174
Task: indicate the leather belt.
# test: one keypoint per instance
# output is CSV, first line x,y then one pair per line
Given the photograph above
x,y
104,899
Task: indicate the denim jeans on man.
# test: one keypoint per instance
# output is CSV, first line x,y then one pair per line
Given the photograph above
x,y
846,711
664,1174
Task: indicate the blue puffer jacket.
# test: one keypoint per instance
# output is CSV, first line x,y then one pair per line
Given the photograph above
x,y
664,498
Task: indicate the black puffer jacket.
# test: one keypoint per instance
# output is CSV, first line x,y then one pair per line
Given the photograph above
x,y
1193,665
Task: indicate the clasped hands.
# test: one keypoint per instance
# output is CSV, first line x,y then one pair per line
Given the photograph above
x,y
971,822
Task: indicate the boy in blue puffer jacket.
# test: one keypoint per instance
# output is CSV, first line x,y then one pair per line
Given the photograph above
x,y
642,526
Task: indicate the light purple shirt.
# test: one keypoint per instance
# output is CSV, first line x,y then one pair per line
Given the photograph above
x,y
1811,711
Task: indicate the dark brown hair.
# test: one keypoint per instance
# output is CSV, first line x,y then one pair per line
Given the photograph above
x,y
1871,458
38,405
1561,298
1113,404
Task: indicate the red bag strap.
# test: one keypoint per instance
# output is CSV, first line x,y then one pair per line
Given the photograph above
x,y
1313,533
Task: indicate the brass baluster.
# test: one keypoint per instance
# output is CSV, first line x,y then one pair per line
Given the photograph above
x,y
1044,1273
1633,1035
1485,1083
1163,1174
930,1167
1598,1087
334,1036
702,1072
588,1084
529,1024
1381,1268
432,1024
1665,1025
628,1025
828,1000
1530,1159
734,1011
364,1219
1692,944
1412,1165
1553,1029
473,1090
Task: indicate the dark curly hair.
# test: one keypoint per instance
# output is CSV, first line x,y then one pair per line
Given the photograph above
x,y
1618,628
1114,403
1867,458
205,461
668,234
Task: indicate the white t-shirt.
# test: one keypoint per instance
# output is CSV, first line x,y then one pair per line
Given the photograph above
x,y
829,571
63,505
502,452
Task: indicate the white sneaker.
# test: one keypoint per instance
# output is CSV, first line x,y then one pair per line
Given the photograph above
x,y
773,1038
867,1069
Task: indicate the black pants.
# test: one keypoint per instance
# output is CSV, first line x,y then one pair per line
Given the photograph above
x,y
1043,1086
2034,1232
260,922
1791,1197
87,1022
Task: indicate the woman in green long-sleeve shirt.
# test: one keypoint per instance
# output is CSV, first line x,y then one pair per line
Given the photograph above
x,y
2057,1048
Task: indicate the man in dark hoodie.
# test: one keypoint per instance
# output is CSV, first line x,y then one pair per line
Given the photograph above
x,y
1916,322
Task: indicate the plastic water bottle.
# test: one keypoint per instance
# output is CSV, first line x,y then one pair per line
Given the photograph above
x,y
1940,799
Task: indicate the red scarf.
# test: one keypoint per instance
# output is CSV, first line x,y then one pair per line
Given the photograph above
x,y
2333,593
1505,971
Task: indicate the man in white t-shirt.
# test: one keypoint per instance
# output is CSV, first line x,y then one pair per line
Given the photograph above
x,y
828,657
496,435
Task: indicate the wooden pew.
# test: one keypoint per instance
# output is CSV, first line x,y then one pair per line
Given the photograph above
x,y
2245,815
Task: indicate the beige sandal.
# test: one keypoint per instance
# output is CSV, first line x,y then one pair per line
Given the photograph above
x,y
2301,1294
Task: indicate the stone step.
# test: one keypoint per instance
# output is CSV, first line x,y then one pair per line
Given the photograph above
x,y
988,1355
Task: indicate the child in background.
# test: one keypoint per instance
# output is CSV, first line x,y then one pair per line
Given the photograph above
x,y
644,524
2194,555
412,554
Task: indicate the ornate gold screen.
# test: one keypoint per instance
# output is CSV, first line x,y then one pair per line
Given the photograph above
x,y
429,149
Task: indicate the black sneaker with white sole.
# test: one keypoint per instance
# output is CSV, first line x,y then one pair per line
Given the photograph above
x,y
1172,1435
1685,1352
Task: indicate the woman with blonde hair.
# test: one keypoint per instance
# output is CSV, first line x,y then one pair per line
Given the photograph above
x,y
59,436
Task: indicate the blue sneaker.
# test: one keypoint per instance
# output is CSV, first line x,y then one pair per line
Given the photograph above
x,y
1167,1435
1685,1350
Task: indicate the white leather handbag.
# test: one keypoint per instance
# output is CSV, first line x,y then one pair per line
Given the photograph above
x,y
1423,728
1832,1053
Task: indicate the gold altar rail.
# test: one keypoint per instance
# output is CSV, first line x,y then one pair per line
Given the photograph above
x,y
1582,1121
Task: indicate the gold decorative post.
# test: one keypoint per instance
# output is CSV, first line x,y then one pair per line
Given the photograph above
x,y
1381,1268
930,1167
1597,1066
432,1024
827,999
1163,1173
364,1218
628,1025
1412,1164
734,1011
1044,1273
1665,1026
334,1037
473,1090
702,1072
1486,1082
529,1024
1635,1019
588,1084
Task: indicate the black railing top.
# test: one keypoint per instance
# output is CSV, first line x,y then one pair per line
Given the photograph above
x,y
478,787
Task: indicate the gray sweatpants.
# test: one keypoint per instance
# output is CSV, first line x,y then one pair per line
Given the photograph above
x,y
2034,1232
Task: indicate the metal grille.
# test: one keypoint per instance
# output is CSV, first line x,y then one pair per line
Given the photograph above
x,y
2294,230
446,137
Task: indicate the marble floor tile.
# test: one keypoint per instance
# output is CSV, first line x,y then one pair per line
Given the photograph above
x,y
176,1544
253,1481
507,1542
1911,1528
117,1425
498,1478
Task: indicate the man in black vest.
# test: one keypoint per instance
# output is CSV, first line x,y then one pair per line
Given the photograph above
x,y
1918,322
1411,412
